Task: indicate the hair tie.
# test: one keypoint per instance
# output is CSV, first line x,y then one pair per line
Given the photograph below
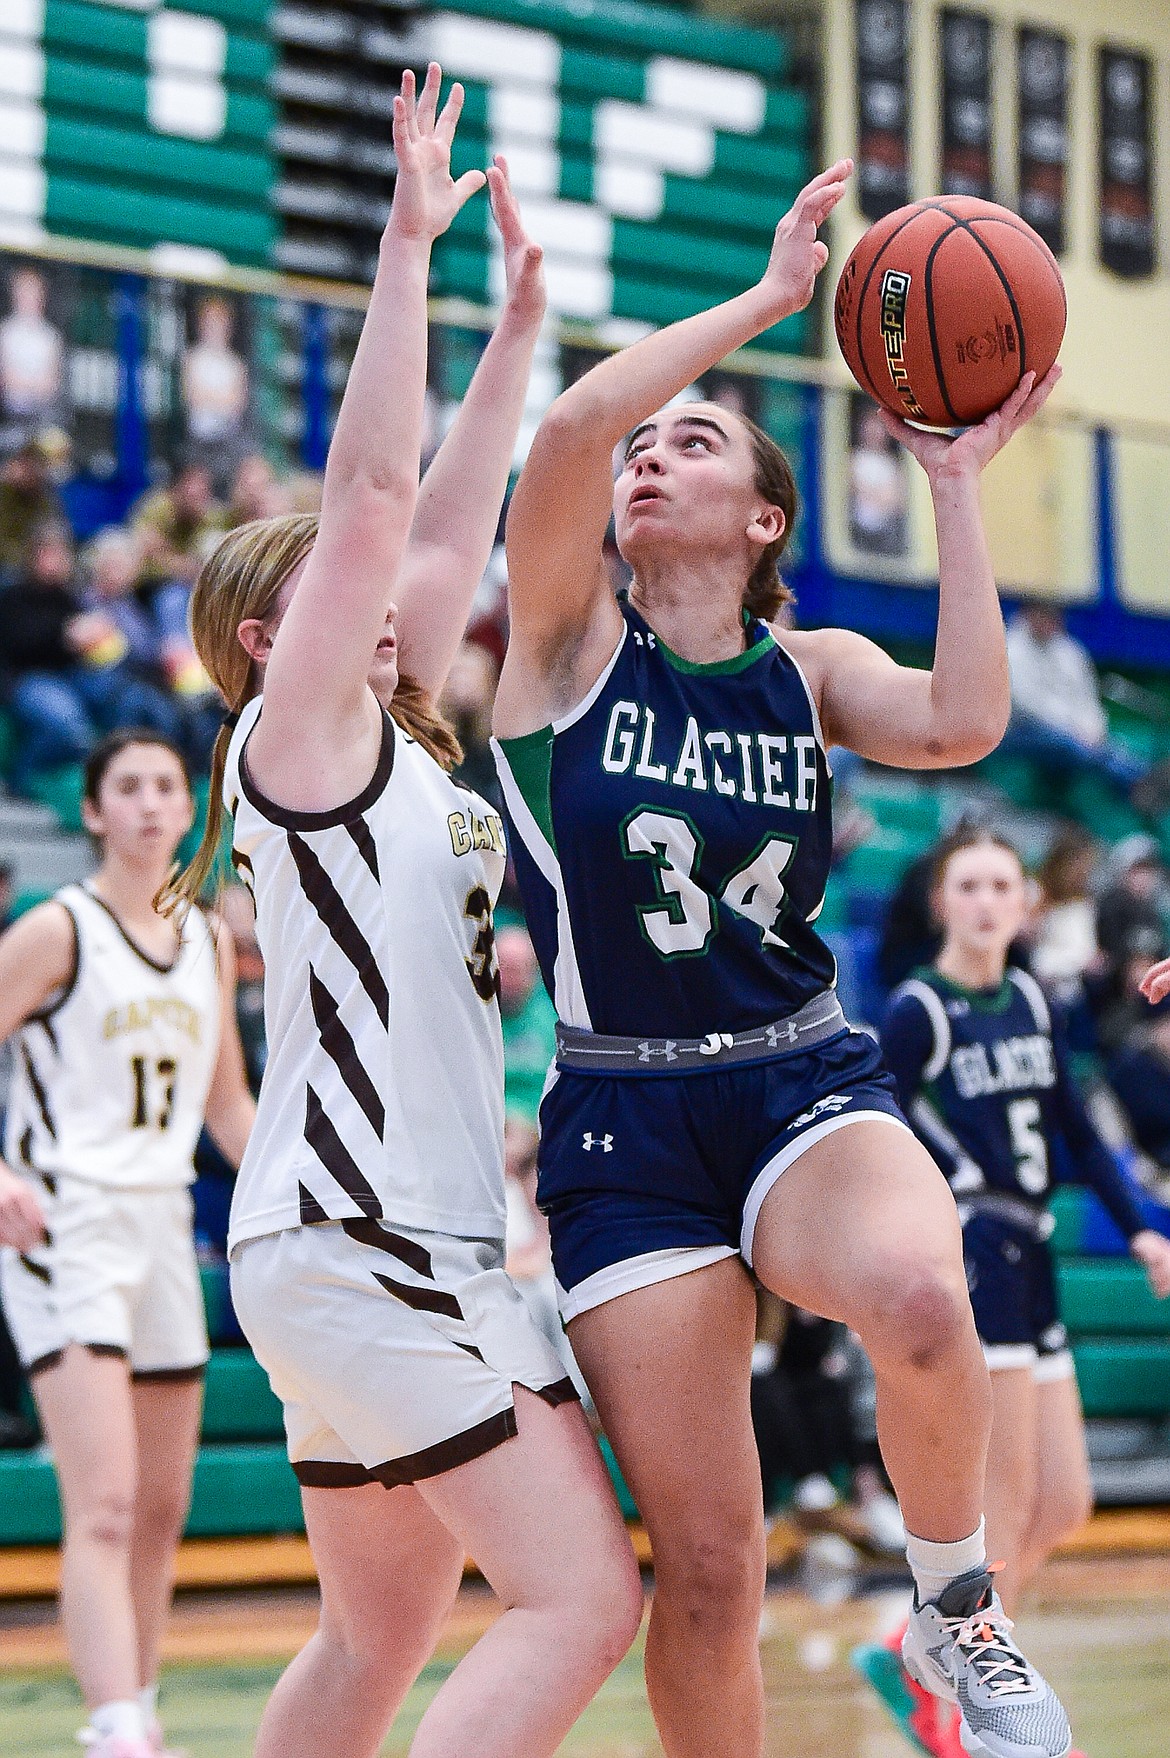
x,y
232,720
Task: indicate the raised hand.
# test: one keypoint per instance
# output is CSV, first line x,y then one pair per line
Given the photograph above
x,y
971,450
798,255
426,197
523,259
1156,982
1152,1251
22,1223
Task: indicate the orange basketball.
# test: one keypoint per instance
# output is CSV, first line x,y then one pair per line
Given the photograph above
x,y
944,306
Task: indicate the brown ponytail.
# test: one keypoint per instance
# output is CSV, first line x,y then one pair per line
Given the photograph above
x,y
766,592
241,580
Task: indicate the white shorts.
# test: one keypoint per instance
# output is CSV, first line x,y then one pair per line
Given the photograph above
x,y
393,1351
118,1275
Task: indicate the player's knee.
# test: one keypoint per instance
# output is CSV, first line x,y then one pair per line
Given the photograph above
x,y
107,1519
714,1580
606,1616
1064,1512
921,1313
160,1516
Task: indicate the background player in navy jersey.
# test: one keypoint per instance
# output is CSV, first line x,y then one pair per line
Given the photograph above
x,y
982,1069
664,769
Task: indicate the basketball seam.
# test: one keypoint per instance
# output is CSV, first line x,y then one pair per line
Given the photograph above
x,y
937,207
864,289
1007,287
931,328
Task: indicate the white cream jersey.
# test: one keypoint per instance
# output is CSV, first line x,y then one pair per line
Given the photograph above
x,y
383,1092
110,1079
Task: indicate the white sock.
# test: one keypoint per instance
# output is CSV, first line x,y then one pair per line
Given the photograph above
x,y
122,1720
934,1566
148,1702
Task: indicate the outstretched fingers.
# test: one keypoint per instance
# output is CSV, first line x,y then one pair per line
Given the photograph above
x,y
428,102
451,112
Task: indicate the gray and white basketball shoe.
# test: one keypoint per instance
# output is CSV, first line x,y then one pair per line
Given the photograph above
x,y
959,1646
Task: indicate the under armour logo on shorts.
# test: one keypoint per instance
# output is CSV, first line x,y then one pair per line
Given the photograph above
x,y
590,1141
835,1102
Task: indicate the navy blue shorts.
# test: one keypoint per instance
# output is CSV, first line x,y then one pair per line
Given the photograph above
x,y
1013,1296
647,1176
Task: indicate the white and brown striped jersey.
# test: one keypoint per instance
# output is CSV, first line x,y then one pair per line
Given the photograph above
x,y
110,1079
383,1091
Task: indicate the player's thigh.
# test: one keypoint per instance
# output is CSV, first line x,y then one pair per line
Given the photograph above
x,y
538,1512
669,1367
1013,1450
863,1227
388,1569
1064,1485
86,1408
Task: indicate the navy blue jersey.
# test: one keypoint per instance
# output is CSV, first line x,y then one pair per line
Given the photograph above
x,y
985,1082
672,838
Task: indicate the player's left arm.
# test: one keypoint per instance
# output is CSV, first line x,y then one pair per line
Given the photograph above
x,y
1098,1167
230,1110
956,712
461,495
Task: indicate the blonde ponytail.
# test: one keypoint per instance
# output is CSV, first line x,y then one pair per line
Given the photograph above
x,y
239,581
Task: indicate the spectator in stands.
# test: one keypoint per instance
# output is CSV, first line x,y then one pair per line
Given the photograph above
x,y
64,670
28,499
1057,718
1139,1073
529,1022
1063,927
466,702
176,527
257,492
1132,906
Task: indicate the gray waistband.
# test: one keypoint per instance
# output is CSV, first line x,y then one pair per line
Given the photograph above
x,y
1002,1206
598,1053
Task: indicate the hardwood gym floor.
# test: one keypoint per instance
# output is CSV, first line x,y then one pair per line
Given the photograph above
x,y
1099,1627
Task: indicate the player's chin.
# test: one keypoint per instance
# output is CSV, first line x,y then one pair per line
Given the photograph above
x,y
383,675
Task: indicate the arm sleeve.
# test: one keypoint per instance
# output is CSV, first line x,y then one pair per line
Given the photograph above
x,y
907,1041
1095,1164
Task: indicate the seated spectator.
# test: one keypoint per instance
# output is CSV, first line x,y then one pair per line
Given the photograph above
x,y
529,1022
467,701
1057,718
1139,1073
1133,904
1063,929
28,499
64,670
256,492
176,527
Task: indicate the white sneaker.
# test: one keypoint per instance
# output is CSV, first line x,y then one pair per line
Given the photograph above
x,y
959,1646
113,1745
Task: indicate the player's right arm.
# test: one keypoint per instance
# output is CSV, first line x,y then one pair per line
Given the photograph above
x,y
320,729
564,623
36,960
907,1041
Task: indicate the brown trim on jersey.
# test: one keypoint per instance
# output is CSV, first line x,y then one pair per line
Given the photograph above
x,y
40,1271
473,1443
164,970
287,819
44,1015
158,1376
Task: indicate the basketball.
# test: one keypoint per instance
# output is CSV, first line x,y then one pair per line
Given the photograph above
x,y
944,305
